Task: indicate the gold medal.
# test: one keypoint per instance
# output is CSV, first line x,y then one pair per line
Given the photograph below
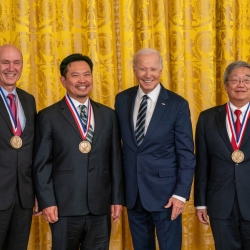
x,y
237,156
16,142
84,147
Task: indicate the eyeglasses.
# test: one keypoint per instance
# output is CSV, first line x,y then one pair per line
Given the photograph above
x,y
237,81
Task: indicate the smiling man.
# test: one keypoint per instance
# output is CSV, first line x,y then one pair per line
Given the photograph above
x,y
78,173
222,182
17,121
158,157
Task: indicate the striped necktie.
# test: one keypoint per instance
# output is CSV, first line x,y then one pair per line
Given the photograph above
x,y
141,118
83,115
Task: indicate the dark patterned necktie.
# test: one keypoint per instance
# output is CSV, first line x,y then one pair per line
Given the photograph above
x,y
141,118
13,109
83,115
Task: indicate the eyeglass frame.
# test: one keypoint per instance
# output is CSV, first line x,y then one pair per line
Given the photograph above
x,y
237,81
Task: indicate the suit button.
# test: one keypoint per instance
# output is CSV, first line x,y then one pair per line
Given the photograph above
x,y
90,170
18,169
234,181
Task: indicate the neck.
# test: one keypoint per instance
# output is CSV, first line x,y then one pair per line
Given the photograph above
x,y
239,105
8,88
81,99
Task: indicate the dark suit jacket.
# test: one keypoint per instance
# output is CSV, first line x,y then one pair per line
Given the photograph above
x,y
63,176
217,177
16,164
164,163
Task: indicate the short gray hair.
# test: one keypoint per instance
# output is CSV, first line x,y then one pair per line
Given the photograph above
x,y
147,51
233,66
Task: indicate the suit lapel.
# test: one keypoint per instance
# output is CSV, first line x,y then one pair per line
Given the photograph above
x,y
131,105
68,115
161,106
98,117
5,114
26,108
246,135
221,122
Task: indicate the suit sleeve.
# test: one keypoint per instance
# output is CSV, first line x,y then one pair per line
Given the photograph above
x,y
201,170
117,170
185,152
42,173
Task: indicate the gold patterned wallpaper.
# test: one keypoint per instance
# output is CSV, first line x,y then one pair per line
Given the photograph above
x,y
197,40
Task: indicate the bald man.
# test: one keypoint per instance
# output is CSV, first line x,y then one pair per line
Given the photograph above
x,y
17,116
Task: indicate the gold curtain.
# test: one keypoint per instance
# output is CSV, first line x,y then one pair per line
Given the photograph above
x,y
197,40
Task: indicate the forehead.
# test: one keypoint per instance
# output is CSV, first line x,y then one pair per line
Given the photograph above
x,y
10,54
240,71
148,59
78,66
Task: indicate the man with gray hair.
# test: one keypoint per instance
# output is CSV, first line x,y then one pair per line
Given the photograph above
x,y
222,182
158,156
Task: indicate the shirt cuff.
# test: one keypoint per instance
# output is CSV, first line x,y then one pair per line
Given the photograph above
x,y
201,207
179,198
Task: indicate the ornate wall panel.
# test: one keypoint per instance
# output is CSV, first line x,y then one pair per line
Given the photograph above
x,y
197,40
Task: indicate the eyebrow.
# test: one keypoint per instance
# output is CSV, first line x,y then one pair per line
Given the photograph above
x,y
6,60
237,75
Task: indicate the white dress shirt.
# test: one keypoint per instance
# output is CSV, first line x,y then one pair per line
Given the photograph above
x,y
86,103
153,96
233,108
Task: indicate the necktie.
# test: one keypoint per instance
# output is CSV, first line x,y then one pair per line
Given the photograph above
x,y
11,97
237,122
140,122
83,115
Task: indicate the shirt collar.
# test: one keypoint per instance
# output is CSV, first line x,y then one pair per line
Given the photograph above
x,y
76,103
242,109
5,92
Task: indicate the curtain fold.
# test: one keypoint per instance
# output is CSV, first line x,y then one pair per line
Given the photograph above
x,y
197,40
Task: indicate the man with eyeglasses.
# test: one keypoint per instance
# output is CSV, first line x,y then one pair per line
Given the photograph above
x,y
222,175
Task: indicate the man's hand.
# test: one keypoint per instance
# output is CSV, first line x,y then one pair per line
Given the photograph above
x,y
177,207
116,211
202,216
50,214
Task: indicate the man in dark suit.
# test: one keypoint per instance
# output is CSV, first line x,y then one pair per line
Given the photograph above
x,y
158,156
17,114
222,183
77,168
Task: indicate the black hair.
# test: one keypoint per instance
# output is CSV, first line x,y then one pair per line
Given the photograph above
x,y
74,58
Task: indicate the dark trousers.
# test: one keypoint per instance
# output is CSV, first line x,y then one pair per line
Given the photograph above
x,y
15,223
88,232
232,233
143,224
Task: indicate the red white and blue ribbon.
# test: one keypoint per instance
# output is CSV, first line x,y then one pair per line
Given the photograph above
x,y
12,119
237,140
77,117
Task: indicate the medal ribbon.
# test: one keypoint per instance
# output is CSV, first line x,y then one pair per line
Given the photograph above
x,y
236,141
13,122
77,117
